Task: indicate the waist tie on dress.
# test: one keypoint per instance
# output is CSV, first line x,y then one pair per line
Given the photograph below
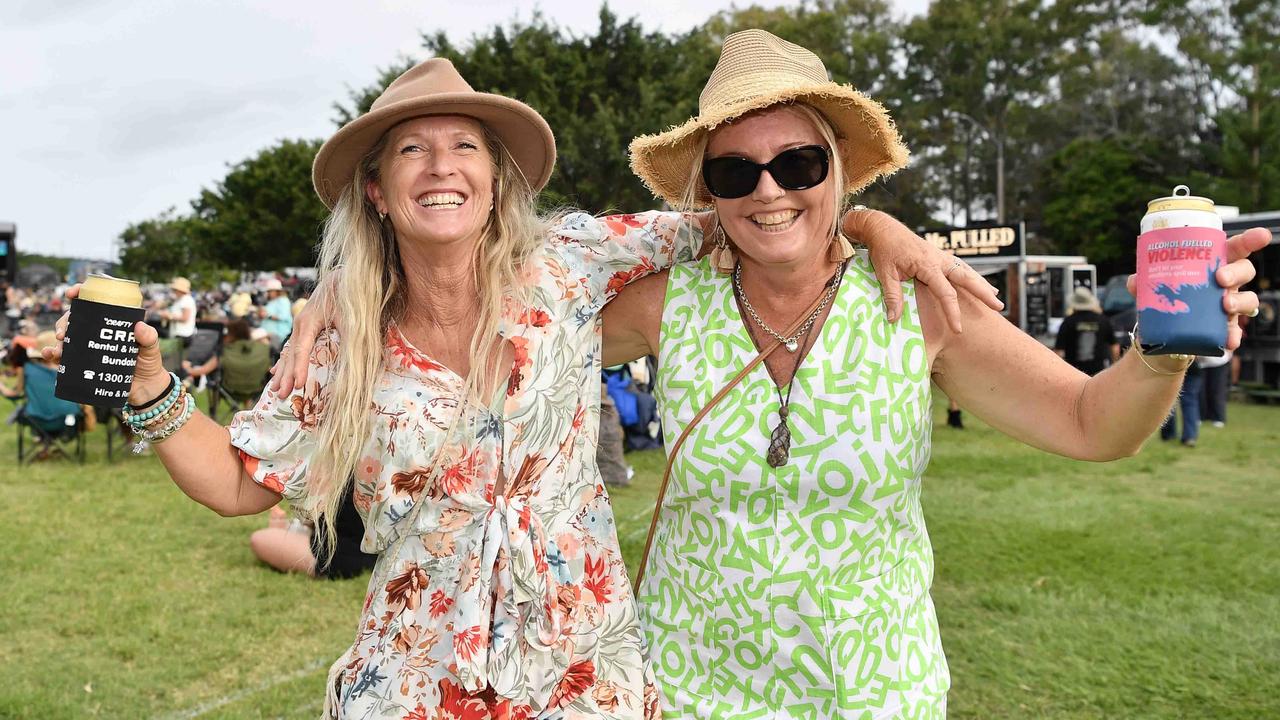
x,y
487,641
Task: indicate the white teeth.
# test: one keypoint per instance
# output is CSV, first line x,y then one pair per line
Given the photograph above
x,y
775,218
441,200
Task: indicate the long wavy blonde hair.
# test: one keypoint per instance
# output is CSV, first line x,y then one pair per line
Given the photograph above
x,y
688,201
372,296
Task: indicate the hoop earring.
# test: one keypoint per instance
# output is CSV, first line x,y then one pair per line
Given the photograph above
x,y
722,258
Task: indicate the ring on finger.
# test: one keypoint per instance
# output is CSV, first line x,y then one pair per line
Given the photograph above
x,y
954,265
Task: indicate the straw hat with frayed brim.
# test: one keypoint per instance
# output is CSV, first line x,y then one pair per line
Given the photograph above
x,y
757,69
434,87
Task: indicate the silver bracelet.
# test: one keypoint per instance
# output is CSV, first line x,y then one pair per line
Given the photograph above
x,y
147,437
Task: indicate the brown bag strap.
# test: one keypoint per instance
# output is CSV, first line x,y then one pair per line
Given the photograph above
x,y
765,352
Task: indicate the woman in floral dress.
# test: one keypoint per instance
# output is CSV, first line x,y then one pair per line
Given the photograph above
x,y
459,392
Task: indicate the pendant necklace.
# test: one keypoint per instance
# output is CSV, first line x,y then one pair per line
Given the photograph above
x,y
780,440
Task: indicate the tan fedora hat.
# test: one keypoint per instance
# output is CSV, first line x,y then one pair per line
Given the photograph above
x,y
434,87
1082,298
180,284
757,69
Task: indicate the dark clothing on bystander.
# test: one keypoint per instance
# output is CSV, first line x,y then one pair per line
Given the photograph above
x,y
1086,338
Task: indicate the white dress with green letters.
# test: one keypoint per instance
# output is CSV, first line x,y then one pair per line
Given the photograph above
x,y
800,591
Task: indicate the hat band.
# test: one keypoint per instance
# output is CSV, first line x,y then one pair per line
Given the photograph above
x,y
729,99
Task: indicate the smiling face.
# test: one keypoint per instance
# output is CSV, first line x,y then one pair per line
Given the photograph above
x,y
435,180
774,225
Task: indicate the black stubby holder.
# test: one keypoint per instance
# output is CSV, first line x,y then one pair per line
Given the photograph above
x,y
98,354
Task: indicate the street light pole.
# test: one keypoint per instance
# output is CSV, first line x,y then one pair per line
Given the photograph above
x,y
999,143
1000,180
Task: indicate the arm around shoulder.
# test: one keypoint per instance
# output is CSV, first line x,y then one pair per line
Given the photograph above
x,y
633,320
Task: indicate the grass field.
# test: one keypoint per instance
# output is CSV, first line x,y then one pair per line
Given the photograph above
x,y
1148,588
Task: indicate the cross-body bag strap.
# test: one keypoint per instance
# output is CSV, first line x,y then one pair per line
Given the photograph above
x,y
765,352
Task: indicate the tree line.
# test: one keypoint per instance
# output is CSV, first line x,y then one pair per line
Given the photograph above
x,y
1091,107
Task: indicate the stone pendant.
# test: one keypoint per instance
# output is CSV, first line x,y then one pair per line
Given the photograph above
x,y
792,345
780,443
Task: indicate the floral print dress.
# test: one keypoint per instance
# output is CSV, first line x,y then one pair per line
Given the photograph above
x,y
511,605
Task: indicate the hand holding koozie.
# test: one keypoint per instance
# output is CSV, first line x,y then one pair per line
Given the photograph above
x,y
1180,301
101,335
1225,266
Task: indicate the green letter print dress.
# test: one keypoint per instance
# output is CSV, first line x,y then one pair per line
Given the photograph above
x,y
800,591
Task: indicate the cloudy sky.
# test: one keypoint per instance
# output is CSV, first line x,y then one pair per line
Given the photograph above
x,y
113,110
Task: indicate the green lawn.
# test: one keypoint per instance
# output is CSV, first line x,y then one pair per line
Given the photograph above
x,y
1143,588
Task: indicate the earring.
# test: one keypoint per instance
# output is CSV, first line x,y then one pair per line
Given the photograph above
x,y
382,217
722,258
840,249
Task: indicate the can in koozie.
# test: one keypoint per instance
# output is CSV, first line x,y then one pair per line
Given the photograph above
x,y
99,352
1181,247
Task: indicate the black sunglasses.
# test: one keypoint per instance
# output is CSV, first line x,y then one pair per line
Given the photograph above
x,y
795,169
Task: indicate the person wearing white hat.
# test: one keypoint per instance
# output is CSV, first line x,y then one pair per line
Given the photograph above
x,y
459,392
277,314
790,564
181,314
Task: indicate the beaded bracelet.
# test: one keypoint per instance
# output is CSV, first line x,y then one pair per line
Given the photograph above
x,y
164,418
1137,349
150,437
158,436
138,419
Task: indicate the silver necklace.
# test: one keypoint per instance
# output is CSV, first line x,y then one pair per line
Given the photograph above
x,y
780,439
792,343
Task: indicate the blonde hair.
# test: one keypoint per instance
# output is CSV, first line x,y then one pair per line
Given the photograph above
x,y
364,249
689,202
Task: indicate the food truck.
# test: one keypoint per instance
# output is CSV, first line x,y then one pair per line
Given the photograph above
x,y
1260,351
1035,288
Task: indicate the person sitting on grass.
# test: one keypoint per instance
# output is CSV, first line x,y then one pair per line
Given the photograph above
x,y
294,546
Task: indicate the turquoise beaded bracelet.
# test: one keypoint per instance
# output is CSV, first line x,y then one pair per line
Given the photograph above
x,y
140,419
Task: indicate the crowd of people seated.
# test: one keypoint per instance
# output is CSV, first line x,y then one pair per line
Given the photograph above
x,y
219,342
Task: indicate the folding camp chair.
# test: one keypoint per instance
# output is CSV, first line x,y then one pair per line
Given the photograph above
x,y
47,425
205,345
243,371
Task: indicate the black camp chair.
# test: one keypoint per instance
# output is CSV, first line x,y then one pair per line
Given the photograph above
x,y
205,344
244,368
